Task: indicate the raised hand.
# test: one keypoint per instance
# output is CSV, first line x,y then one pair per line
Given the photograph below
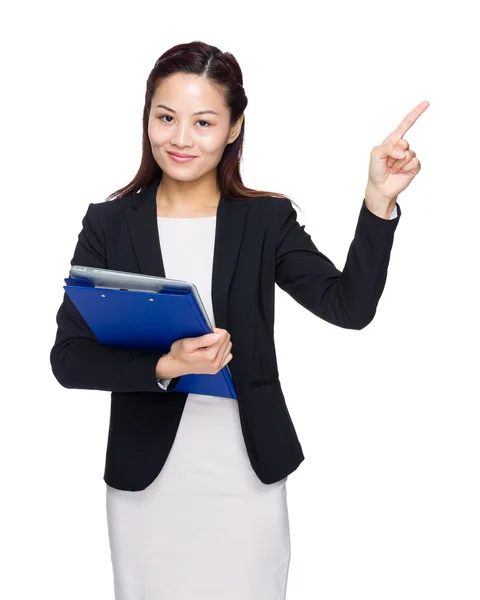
x,y
393,165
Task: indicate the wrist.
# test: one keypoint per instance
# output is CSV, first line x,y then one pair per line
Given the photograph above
x,y
378,204
166,367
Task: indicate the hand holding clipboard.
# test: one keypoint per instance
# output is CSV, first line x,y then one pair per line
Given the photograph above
x,y
203,355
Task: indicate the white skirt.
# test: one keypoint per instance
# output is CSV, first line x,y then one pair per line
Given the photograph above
x,y
207,528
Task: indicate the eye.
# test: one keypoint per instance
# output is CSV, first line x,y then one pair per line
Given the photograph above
x,y
200,121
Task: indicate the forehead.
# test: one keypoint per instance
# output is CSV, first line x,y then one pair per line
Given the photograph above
x,y
190,91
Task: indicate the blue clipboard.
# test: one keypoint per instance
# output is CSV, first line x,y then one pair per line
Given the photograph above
x,y
147,321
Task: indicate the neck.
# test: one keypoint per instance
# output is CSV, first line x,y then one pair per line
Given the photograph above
x,y
185,196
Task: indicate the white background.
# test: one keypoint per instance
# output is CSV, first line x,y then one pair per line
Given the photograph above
x,y
386,504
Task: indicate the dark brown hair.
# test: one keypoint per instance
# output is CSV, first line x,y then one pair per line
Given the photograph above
x,y
223,71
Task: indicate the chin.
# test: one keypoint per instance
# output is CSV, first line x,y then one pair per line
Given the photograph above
x,y
179,176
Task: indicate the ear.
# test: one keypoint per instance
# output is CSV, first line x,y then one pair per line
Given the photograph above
x,y
235,130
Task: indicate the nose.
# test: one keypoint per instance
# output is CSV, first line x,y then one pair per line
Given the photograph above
x,y
182,136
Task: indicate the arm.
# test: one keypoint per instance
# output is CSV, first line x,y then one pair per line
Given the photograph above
x,y
77,359
347,299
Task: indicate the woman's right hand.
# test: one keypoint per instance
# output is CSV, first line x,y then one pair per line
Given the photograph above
x,y
203,354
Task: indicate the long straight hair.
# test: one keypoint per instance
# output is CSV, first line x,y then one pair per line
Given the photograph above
x,y
223,71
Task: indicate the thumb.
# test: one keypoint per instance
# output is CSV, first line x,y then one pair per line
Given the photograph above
x,y
388,150
208,339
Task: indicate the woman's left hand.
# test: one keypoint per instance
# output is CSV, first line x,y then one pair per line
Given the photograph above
x,y
390,173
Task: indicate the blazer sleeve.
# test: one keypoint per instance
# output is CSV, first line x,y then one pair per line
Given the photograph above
x,y
347,299
77,359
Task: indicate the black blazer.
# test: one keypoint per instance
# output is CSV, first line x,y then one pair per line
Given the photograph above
x,y
258,242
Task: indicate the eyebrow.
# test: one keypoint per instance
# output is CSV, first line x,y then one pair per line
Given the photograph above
x,y
199,112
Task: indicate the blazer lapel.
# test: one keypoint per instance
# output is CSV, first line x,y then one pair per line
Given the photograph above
x,y
231,215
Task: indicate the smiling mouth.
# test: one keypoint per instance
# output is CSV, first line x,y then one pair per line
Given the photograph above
x,y
180,155
181,159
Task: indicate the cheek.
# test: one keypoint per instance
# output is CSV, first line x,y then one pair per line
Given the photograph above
x,y
157,136
211,145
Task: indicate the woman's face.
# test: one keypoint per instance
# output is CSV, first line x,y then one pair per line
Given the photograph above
x,y
174,127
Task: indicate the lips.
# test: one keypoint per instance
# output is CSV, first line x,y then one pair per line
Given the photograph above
x,y
181,159
180,155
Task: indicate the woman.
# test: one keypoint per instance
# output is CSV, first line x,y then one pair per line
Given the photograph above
x,y
196,495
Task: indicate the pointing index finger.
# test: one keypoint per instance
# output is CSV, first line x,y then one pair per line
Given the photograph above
x,y
407,122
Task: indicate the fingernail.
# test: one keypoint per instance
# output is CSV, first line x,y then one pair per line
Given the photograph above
x,y
399,154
